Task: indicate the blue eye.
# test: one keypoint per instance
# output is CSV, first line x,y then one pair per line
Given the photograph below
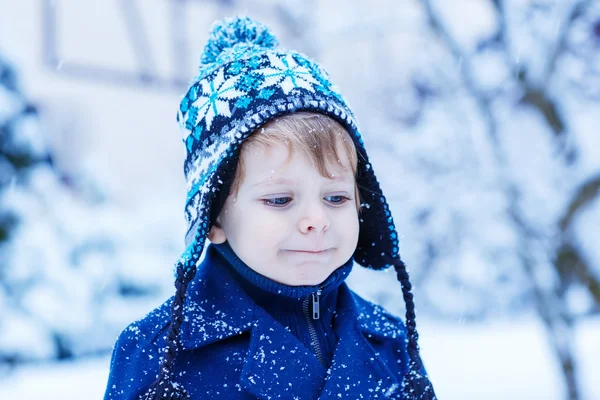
x,y
337,199
278,201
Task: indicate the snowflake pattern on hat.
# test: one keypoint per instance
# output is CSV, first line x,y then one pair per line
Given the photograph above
x,y
286,72
215,97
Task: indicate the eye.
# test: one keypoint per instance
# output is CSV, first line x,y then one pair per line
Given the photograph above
x,y
337,199
277,201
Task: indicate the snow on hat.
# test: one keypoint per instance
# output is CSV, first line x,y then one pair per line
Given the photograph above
x,y
245,80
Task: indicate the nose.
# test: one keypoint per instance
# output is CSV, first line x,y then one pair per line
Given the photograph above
x,y
313,219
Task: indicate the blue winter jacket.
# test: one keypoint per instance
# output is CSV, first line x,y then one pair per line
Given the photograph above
x,y
232,348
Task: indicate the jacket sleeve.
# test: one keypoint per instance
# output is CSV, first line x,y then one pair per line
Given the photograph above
x,y
134,364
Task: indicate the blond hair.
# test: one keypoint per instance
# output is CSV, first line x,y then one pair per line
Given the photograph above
x,y
316,135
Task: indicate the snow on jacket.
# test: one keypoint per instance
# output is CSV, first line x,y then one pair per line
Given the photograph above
x,y
234,349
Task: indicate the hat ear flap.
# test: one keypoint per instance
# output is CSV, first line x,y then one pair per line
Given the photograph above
x,y
164,387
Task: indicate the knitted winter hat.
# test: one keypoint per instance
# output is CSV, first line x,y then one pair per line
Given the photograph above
x,y
245,80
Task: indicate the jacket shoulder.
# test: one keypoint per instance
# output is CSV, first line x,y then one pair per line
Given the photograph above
x,y
147,329
378,321
134,362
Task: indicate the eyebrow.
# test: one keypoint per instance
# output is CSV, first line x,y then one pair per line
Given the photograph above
x,y
285,181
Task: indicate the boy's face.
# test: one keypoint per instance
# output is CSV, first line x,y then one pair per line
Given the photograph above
x,y
287,222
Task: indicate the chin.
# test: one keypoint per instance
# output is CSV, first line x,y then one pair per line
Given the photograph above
x,y
304,280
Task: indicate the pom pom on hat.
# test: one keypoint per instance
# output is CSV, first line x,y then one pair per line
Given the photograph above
x,y
227,33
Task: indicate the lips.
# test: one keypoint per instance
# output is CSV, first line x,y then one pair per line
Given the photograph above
x,y
310,251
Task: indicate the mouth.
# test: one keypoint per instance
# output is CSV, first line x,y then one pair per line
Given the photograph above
x,y
310,251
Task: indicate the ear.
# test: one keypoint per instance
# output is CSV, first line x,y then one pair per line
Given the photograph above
x,y
216,234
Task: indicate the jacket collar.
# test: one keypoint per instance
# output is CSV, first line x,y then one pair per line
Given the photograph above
x,y
217,308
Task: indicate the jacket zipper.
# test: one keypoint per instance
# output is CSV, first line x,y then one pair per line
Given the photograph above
x,y
316,314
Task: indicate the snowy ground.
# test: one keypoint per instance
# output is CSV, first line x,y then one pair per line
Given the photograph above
x,y
499,360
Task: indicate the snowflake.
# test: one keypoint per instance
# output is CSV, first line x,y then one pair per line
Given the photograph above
x,y
285,71
214,98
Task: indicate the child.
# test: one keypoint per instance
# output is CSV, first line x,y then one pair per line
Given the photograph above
x,y
280,183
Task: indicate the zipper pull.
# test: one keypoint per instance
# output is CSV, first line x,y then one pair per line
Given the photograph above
x,y
315,303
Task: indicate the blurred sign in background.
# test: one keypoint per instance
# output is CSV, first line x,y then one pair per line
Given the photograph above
x,y
481,118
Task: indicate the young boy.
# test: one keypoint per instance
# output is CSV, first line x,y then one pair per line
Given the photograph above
x,y
280,183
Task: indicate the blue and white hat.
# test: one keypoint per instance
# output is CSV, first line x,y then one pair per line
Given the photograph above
x,y
245,79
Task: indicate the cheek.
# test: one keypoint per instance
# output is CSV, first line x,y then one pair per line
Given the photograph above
x,y
348,221
349,229
261,226
270,226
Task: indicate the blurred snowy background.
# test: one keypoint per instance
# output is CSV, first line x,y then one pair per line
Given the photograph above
x,y
481,118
